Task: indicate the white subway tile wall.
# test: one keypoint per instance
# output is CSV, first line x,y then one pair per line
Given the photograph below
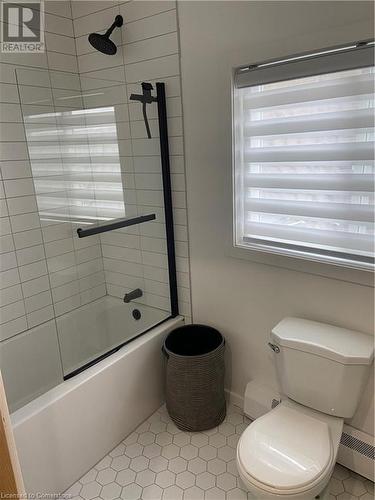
x,y
28,329
45,269
27,299
64,186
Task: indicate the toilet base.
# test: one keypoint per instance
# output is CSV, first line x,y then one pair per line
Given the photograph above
x,y
324,495
257,495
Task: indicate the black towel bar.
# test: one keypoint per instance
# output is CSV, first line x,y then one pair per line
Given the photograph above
x,y
114,224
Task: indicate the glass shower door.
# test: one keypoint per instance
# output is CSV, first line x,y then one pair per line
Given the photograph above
x,y
92,164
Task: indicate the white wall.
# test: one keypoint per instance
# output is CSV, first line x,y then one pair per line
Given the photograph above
x,y
245,299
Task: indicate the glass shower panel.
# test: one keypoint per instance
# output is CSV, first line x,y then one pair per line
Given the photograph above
x,y
92,164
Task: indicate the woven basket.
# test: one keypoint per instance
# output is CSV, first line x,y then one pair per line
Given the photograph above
x,y
195,377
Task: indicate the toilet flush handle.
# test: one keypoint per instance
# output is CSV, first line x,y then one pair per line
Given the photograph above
x,y
274,347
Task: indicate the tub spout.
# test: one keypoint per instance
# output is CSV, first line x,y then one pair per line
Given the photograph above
x,y
134,294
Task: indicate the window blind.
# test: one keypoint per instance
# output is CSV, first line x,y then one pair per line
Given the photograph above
x,y
304,158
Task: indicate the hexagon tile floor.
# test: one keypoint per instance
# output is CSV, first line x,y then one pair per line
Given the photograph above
x,y
160,462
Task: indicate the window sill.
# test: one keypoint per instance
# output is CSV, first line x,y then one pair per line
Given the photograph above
x,y
305,265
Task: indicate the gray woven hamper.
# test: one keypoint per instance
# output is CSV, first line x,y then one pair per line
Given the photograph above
x,y
195,377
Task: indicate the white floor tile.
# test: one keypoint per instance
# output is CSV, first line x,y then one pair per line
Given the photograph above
x,y
158,461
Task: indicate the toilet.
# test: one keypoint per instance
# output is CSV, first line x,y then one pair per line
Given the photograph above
x,y
290,452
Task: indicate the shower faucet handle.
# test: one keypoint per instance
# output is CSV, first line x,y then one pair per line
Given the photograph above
x,y
147,86
145,98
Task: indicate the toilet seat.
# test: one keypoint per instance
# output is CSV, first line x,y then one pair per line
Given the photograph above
x,y
286,451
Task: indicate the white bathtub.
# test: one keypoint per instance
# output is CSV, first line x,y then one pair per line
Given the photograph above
x,y
63,433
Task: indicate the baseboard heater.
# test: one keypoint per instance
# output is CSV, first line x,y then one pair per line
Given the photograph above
x,y
357,452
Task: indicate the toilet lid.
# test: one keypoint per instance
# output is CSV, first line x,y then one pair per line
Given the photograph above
x,y
285,449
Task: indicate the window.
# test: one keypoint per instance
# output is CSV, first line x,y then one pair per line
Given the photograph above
x,y
304,157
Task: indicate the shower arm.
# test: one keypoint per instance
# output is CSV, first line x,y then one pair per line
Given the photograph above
x,y
117,23
145,98
108,33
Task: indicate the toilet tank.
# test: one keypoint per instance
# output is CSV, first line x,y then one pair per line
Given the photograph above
x,y
322,366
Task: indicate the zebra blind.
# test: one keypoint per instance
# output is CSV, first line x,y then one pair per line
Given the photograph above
x,y
304,158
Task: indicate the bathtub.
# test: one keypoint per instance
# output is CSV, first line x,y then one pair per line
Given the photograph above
x,y
61,434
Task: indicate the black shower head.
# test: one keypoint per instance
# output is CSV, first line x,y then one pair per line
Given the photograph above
x,y
102,42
